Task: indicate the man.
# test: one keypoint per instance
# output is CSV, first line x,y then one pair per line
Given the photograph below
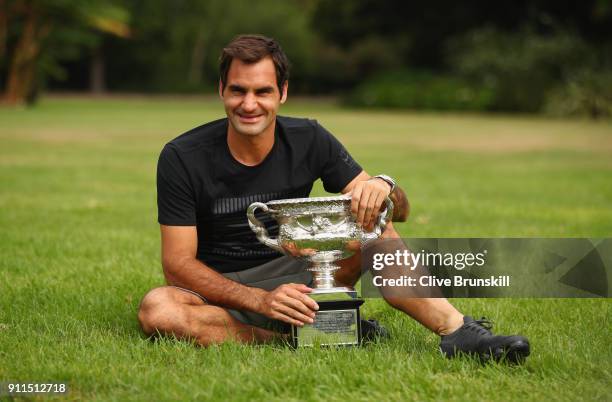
x,y
222,283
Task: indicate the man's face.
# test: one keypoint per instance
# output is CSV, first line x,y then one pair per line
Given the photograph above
x,y
251,96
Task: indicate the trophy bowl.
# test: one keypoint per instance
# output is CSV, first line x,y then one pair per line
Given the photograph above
x,y
320,230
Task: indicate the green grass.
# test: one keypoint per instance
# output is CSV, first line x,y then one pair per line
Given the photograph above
x,y
79,246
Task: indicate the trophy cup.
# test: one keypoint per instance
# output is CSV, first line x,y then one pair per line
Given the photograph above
x,y
321,230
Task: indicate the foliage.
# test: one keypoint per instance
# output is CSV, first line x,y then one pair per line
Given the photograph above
x,y
179,42
586,93
490,69
520,69
420,90
341,68
469,57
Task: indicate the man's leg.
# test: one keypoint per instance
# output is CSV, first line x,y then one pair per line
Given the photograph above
x,y
459,333
436,314
173,311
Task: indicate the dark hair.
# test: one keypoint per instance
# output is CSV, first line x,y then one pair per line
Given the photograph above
x,y
251,49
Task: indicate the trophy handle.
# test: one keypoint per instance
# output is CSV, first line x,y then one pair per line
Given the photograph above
x,y
260,229
386,215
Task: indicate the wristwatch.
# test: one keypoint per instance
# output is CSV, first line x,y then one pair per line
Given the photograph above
x,y
386,179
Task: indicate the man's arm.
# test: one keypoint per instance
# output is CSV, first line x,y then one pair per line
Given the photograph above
x,y
288,303
368,196
401,206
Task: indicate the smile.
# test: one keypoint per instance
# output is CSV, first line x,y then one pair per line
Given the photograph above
x,y
249,118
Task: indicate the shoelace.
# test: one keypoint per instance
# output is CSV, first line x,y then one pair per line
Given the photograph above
x,y
482,326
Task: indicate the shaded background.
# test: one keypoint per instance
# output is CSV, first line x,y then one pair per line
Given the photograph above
x,y
524,56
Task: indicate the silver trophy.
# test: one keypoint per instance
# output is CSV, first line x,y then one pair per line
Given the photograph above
x,y
321,230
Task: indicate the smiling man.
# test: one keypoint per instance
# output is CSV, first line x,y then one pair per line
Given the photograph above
x,y
222,283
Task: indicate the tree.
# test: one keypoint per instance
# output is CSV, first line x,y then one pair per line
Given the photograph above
x,y
36,33
176,44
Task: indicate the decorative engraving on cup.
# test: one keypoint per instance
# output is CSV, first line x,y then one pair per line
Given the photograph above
x,y
320,230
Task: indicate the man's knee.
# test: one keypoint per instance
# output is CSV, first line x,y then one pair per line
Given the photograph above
x,y
158,311
390,232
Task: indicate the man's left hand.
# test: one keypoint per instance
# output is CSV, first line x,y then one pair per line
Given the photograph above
x,y
367,199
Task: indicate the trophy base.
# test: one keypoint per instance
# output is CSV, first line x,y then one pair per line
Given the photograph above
x,y
337,323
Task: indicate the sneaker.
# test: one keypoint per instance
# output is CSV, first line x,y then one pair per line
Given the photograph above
x,y
475,338
372,331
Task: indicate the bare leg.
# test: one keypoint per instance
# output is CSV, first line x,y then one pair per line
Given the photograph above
x,y
436,314
172,311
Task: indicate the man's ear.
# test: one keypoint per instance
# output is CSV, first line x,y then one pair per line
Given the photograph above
x,y
221,89
284,94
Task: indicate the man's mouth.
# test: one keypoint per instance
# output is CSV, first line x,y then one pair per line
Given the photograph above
x,y
249,118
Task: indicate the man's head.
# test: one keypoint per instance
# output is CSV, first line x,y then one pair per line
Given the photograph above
x,y
253,83
250,49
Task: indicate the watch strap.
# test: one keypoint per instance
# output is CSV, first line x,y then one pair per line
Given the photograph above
x,y
386,179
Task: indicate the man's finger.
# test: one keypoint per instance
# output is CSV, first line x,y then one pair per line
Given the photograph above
x,y
376,210
300,287
287,319
370,210
355,196
363,204
311,304
294,314
298,305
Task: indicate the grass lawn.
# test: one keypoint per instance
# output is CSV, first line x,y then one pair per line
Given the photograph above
x,y
79,246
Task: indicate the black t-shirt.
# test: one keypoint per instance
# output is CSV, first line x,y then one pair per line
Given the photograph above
x,y
199,183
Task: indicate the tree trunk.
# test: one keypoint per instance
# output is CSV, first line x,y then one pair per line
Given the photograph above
x,y
196,67
21,80
3,28
97,76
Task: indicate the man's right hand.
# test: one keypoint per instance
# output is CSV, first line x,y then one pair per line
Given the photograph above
x,y
289,303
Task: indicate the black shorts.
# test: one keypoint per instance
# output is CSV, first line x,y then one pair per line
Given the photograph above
x,y
267,276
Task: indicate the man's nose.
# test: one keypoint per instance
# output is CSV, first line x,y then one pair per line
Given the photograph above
x,y
250,102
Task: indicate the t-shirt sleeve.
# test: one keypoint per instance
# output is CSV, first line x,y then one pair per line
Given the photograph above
x,y
338,167
175,196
